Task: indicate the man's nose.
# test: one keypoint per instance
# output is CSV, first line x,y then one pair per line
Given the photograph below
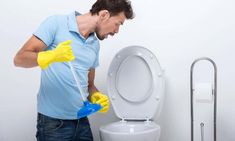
x,y
116,30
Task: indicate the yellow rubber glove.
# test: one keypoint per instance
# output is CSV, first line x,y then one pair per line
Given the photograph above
x,y
101,99
62,53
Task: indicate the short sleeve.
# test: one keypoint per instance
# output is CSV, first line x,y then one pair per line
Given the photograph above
x,y
47,30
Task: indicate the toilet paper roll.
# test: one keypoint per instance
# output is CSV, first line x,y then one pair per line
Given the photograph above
x,y
203,92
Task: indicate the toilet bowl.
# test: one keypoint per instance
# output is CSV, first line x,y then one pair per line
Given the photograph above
x,y
136,91
130,131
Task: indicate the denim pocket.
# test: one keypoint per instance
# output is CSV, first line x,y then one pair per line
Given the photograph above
x,y
84,129
51,124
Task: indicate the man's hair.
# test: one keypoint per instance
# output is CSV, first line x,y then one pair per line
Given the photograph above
x,y
114,7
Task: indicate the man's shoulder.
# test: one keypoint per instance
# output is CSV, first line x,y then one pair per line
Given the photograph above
x,y
56,20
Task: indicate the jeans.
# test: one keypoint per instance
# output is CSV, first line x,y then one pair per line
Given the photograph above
x,y
52,129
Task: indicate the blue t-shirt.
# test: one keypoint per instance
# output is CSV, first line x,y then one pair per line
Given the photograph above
x,y
58,95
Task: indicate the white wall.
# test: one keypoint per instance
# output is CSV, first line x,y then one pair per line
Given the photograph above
x,y
176,31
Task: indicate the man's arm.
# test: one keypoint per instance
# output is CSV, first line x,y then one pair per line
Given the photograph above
x,y
91,86
27,56
95,96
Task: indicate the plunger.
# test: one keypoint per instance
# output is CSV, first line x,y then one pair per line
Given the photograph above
x,y
88,108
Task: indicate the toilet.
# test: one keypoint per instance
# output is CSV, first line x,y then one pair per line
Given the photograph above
x,y
136,91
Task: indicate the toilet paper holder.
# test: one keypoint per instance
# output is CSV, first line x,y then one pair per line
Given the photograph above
x,y
191,97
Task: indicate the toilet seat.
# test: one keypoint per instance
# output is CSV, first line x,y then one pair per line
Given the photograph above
x,y
135,84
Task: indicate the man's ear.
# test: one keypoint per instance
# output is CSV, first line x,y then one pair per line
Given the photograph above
x,y
104,14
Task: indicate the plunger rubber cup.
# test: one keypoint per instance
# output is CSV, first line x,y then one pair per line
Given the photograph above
x,y
88,109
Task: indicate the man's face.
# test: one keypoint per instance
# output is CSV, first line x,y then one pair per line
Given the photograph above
x,y
109,25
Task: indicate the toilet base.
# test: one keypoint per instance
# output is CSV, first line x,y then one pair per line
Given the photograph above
x,y
130,131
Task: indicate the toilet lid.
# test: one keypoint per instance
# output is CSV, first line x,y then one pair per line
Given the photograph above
x,y
135,84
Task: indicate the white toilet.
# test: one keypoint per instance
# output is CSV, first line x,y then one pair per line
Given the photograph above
x,y
136,91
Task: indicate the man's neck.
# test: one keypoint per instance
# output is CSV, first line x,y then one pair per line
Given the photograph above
x,y
86,24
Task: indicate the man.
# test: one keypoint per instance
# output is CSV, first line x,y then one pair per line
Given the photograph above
x,y
64,38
